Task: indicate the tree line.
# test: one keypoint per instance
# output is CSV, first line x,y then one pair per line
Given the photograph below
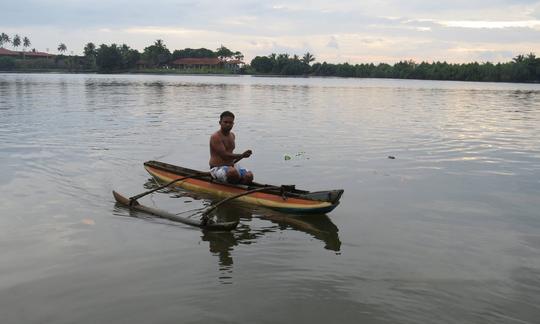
x,y
108,58
16,41
118,58
522,68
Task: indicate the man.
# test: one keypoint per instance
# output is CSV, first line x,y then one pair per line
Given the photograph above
x,y
222,158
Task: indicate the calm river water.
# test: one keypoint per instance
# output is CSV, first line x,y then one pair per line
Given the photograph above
x,y
447,232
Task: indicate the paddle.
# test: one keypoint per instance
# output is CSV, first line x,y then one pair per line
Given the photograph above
x,y
201,174
134,198
204,216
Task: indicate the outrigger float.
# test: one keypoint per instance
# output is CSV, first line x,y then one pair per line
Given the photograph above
x,y
285,199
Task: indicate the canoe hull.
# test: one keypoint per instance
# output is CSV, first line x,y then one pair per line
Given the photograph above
x,y
295,201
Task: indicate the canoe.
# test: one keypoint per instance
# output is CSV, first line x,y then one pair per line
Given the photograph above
x,y
210,225
286,199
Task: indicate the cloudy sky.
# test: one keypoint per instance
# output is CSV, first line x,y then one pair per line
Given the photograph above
x,y
351,31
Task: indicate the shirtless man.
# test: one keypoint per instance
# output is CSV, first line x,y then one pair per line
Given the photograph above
x,y
222,158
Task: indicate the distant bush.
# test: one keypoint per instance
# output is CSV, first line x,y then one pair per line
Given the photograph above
x,y
7,63
36,64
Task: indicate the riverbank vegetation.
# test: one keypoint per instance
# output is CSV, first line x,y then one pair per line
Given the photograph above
x,y
523,68
157,58
114,58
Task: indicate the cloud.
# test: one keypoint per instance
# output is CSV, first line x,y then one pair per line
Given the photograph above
x,y
333,43
491,24
333,31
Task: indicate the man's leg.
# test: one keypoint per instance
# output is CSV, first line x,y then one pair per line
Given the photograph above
x,y
247,177
233,176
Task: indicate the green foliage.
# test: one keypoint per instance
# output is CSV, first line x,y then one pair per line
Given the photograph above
x,y
223,52
238,55
4,39
62,48
262,64
523,68
114,57
129,56
282,64
90,54
7,63
157,55
308,58
26,42
189,52
109,58
16,42
37,64
90,50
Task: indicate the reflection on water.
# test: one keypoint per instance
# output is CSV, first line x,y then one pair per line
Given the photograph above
x,y
222,244
448,230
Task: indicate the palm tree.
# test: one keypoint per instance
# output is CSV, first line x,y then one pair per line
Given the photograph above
x,y
4,39
223,52
26,42
62,48
518,59
238,56
90,50
16,42
159,43
308,58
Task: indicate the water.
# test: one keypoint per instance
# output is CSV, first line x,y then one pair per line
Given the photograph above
x,y
447,232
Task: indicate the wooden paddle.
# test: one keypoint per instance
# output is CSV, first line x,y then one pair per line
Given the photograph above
x,y
201,174
205,217
134,198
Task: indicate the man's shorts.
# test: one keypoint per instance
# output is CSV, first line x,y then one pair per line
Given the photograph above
x,y
220,173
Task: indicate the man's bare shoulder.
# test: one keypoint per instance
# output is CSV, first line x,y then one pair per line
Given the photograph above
x,y
219,135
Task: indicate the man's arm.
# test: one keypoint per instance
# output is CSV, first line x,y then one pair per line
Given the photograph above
x,y
219,148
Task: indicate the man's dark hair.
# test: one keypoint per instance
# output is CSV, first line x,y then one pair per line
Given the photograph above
x,y
226,114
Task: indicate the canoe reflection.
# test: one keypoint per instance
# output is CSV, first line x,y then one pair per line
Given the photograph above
x,y
248,231
223,243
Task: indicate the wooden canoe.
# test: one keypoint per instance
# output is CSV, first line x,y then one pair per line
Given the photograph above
x,y
288,200
210,225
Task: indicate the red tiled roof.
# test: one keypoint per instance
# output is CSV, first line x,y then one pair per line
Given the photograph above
x,y
4,51
197,61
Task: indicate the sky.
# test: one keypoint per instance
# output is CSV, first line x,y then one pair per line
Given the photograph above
x,y
361,31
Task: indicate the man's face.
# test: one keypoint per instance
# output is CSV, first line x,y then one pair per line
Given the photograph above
x,y
226,123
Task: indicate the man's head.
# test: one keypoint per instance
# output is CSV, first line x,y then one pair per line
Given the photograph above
x,y
226,121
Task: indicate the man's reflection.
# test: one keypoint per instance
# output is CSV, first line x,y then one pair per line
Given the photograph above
x,y
222,243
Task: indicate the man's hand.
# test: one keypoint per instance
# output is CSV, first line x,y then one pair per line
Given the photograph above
x,y
247,154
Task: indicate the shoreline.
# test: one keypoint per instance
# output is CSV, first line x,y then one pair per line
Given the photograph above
x,y
191,73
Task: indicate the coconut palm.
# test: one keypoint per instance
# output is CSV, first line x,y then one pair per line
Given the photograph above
x,y
238,56
16,42
308,58
26,42
4,39
62,48
159,44
518,59
90,50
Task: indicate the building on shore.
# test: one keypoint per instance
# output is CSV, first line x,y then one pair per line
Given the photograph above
x,y
33,54
206,62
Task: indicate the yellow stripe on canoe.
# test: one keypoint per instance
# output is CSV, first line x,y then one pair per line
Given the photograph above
x,y
257,198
